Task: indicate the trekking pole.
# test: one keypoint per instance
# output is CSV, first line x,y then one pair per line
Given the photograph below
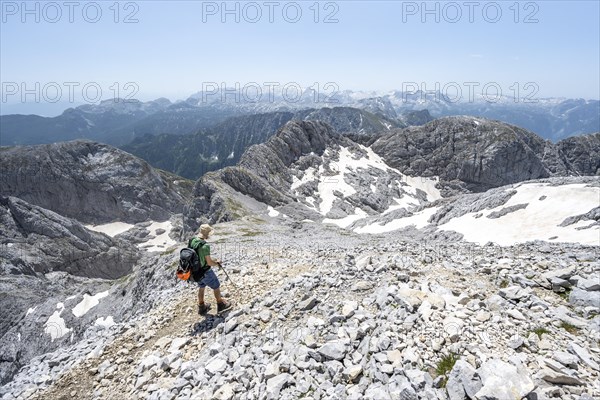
x,y
226,274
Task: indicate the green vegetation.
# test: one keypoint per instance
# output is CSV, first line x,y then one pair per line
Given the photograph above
x,y
445,365
235,208
247,232
124,278
565,295
503,284
572,329
168,251
540,331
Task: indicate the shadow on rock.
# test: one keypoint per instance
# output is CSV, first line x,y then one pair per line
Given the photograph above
x,y
209,323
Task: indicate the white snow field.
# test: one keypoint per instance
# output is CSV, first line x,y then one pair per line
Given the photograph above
x,y
55,326
272,212
111,229
160,242
105,322
540,220
88,303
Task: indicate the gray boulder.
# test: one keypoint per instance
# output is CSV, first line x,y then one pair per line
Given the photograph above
x,y
584,298
463,381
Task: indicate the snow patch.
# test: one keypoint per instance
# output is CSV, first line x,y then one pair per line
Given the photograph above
x,y
309,176
111,229
427,185
105,322
329,184
405,202
272,212
418,220
311,200
538,221
30,310
55,326
88,303
160,242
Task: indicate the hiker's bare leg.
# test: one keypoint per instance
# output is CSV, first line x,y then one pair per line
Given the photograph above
x,y
218,295
200,296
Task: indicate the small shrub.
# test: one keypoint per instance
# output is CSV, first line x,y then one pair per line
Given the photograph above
x,y
565,295
168,251
540,331
569,327
445,365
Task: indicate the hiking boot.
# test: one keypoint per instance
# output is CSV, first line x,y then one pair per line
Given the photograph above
x,y
203,308
223,306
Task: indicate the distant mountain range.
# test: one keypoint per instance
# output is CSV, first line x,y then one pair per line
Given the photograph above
x,y
222,145
121,122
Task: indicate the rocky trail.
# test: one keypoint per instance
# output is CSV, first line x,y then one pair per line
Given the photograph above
x,y
340,319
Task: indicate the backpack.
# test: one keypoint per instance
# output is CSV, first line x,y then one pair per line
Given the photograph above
x,y
190,265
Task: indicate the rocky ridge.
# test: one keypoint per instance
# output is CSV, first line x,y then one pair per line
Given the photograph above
x,y
309,171
478,154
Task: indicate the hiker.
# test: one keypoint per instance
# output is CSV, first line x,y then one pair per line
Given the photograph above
x,y
210,278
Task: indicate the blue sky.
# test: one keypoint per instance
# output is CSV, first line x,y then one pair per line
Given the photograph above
x,y
375,45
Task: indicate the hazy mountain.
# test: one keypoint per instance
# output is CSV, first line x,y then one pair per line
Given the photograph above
x,y
120,122
191,156
553,119
111,122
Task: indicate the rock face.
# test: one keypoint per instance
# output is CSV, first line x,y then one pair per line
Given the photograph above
x,y
53,288
582,153
354,121
475,153
44,254
88,181
412,118
36,240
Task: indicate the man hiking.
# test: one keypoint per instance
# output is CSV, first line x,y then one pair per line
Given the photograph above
x,y
198,243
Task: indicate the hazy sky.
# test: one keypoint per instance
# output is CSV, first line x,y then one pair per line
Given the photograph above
x,y
176,46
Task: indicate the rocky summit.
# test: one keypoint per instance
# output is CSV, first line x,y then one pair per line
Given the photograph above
x,y
457,260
